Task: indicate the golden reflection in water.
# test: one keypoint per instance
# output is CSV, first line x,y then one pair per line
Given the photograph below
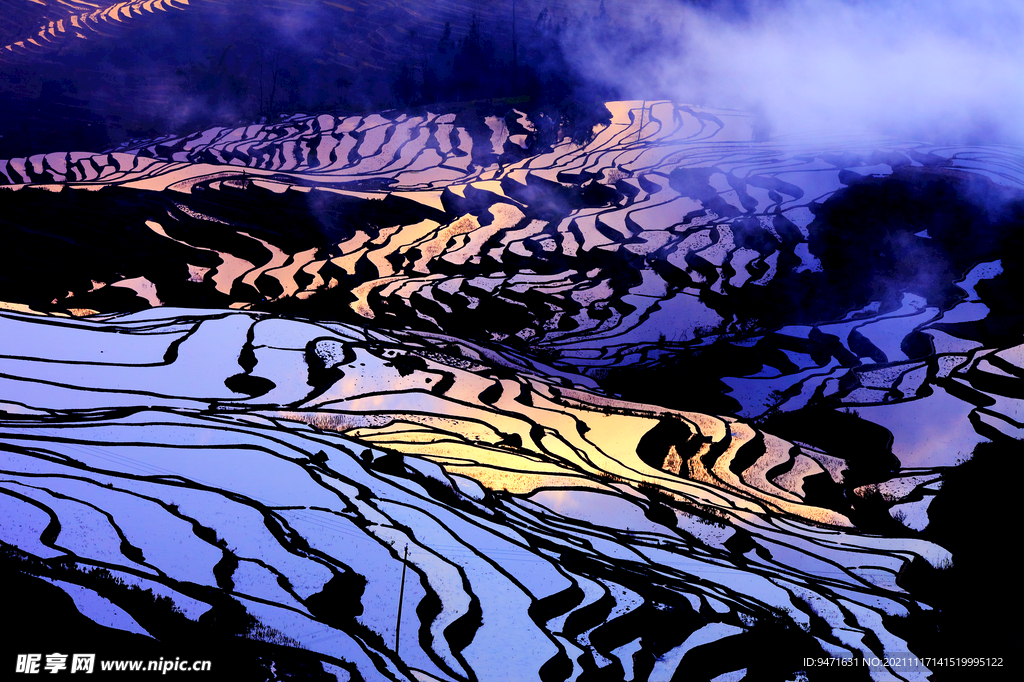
x,y
520,482
401,414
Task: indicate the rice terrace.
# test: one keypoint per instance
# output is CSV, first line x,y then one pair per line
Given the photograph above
x,y
472,341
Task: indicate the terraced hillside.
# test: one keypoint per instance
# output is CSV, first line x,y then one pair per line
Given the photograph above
x,y
89,75
290,473
641,246
39,27
642,397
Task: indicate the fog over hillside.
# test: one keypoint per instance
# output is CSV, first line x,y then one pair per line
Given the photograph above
x,y
936,71
942,70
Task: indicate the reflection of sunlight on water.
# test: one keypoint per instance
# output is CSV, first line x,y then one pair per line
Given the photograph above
x,y
517,482
225,274
977,274
932,431
521,448
142,287
564,502
403,402
598,508
615,433
19,308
